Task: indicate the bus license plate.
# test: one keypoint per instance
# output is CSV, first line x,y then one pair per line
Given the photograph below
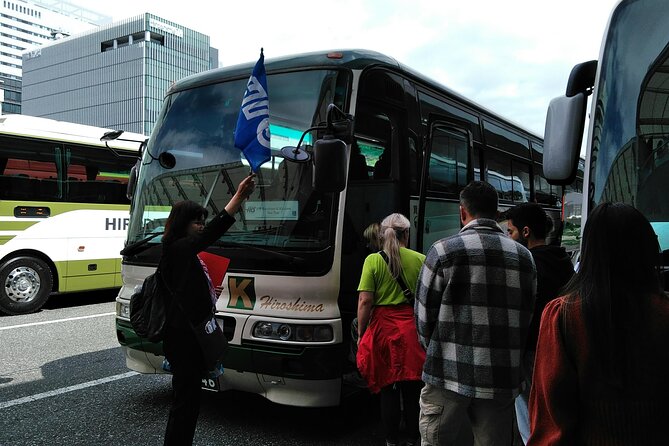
x,y
210,384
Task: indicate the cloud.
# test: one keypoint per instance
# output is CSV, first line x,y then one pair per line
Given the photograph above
x,y
511,57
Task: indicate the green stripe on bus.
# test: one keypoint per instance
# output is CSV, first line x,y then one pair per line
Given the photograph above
x,y
157,208
92,274
56,208
114,175
93,266
16,225
5,238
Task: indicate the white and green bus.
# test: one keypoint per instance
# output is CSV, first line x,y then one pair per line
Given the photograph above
x,y
627,144
63,209
395,141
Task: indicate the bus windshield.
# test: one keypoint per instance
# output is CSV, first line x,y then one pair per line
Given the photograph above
x,y
630,146
285,225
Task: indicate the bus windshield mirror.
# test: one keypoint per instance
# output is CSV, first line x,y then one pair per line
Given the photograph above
x,y
167,160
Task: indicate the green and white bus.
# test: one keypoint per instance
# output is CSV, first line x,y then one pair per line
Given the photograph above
x,y
63,209
401,143
627,144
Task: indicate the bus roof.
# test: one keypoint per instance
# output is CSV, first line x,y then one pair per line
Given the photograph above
x,y
353,59
51,129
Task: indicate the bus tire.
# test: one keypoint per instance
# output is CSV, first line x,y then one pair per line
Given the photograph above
x,y
25,285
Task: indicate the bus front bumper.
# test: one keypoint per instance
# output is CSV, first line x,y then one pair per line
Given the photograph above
x,y
285,374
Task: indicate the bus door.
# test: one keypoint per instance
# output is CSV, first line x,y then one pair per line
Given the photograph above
x,y
373,192
445,173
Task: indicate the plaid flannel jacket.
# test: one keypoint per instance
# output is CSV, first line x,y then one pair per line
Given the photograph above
x,y
474,301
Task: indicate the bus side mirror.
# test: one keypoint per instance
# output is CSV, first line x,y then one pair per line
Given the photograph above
x,y
562,138
330,164
132,180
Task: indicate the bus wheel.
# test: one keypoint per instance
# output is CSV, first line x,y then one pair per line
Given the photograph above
x,y
25,285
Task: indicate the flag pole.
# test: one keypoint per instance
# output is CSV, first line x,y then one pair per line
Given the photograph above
x,y
251,167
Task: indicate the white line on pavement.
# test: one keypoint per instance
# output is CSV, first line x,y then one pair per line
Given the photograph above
x,y
39,396
57,320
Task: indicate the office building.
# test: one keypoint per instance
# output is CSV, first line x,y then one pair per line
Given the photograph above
x,y
115,76
26,25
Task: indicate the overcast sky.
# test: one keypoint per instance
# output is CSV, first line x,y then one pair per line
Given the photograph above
x,y
510,56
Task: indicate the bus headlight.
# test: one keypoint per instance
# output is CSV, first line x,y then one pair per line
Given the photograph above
x,y
284,332
263,330
293,332
123,310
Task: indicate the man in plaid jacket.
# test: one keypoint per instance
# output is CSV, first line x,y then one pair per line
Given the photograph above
x,y
473,306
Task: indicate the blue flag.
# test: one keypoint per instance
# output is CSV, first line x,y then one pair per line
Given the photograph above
x,y
252,133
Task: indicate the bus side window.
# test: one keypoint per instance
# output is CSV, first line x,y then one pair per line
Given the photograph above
x,y
382,167
497,172
357,165
96,177
521,181
542,191
476,162
510,178
448,161
27,180
373,133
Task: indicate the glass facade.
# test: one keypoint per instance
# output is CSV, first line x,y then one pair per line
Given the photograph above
x,y
25,26
115,77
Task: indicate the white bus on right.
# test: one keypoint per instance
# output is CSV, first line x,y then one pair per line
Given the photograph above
x,y
627,145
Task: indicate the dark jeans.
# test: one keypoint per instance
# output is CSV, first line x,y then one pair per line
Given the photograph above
x,y
185,358
391,409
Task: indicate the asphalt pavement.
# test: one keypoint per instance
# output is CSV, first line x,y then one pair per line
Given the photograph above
x,y
63,381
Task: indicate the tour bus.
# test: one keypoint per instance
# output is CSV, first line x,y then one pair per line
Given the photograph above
x,y
63,209
355,136
627,144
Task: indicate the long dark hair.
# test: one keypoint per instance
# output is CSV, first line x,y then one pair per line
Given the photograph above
x,y
617,276
181,215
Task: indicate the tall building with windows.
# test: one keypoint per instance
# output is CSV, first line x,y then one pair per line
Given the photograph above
x,y
25,25
115,76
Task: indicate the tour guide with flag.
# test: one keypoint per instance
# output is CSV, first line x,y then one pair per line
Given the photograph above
x,y
252,135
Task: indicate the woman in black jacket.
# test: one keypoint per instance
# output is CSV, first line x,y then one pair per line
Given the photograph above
x,y
185,236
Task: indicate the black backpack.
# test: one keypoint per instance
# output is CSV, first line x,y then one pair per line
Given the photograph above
x,y
150,308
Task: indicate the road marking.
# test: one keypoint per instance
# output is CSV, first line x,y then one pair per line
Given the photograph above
x,y
57,320
39,396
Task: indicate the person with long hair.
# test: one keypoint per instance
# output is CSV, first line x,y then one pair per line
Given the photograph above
x,y
186,235
389,357
600,375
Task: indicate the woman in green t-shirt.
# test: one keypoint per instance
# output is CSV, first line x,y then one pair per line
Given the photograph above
x,y
389,355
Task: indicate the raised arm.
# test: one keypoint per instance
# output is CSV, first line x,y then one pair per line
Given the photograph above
x,y
245,188
221,222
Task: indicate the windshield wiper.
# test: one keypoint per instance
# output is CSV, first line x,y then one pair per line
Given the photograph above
x,y
293,260
139,246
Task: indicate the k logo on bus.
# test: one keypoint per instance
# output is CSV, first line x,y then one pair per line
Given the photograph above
x,y
242,292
